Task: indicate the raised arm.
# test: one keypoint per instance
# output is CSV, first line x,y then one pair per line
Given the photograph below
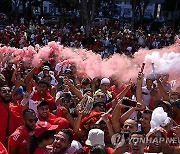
x,y
73,89
108,124
139,89
163,92
28,79
127,114
124,92
116,116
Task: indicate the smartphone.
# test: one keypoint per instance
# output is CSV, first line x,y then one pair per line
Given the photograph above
x,y
129,102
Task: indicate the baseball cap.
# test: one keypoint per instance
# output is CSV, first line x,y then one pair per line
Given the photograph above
x,y
62,123
43,126
176,103
105,80
99,102
19,91
46,68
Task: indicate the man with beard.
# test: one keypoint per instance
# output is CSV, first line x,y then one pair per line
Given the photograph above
x,y
62,141
18,141
9,119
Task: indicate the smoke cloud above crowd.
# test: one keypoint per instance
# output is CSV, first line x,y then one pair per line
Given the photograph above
x,y
166,60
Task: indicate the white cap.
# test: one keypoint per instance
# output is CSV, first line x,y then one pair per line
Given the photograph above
x,y
95,136
105,80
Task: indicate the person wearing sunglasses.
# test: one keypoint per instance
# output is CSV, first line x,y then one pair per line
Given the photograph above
x,y
10,120
63,109
18,142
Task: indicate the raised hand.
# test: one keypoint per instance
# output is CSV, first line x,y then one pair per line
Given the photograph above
x,y
140,76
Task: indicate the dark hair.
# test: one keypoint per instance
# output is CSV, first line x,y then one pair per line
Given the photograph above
x,y
147,111
43,103
138,133
98,149
85,81
68,132
43,82
34,141
28,111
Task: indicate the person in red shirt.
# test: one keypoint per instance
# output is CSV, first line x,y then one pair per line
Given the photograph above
x,y
40,94
63,111
18,142
45,115
3,149
43,135
9,119
62,141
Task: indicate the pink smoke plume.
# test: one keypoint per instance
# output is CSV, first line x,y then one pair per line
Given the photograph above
x,y
166,60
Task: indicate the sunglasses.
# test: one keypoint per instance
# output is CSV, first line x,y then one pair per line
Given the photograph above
x,y
5,91
66,100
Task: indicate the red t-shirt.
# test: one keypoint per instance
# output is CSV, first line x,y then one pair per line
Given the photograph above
x,y
48,98
19,139
53,120
42,151
59,112
50,118
9,122
3,149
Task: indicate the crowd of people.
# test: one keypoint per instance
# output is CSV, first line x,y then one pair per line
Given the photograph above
x,y
51,109
104,39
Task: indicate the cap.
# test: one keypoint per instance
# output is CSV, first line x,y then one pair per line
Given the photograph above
x,y
68,71
95,136
176,103
99,102
46,68
19,91
62,123
43,126
105,80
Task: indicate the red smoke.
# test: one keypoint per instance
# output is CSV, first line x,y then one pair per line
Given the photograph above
x,y
166,60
